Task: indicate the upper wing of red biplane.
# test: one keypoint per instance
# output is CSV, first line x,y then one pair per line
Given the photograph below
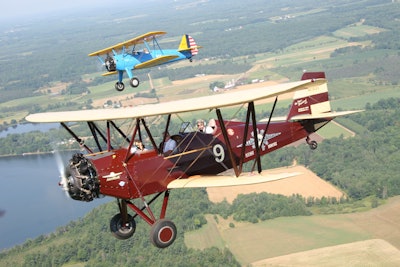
x,y
173,107
134,41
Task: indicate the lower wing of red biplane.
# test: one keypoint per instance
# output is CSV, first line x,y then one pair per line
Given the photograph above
x,y
124,170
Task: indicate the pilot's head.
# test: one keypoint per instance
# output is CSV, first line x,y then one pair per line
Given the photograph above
x,y
200,125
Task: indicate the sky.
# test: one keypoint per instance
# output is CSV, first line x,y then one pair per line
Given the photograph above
x,y
28,8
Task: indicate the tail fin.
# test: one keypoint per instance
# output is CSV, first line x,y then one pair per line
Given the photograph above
x,y
188,43
311,101
313,75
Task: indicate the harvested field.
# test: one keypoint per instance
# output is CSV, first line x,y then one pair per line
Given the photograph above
x,y
374,252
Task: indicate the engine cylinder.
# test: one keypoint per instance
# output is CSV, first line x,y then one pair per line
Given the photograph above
x,y
81,179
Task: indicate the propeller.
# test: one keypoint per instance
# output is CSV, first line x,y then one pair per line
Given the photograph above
x,y
61,169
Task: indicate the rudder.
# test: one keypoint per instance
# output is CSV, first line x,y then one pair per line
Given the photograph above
x,y
312,100
188,43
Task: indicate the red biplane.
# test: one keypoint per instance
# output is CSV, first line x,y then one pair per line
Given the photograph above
x,y
126,171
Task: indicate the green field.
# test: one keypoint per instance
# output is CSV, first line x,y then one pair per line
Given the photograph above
x,y
282,236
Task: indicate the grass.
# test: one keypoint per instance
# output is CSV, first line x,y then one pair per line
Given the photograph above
x,y
207,236
357,30
251,242
332,130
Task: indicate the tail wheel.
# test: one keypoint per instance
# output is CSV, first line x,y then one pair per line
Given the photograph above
x,y
134,82
163,233
119,86
122,230
313,145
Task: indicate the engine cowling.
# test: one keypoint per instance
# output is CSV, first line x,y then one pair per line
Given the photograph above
x,y
81,179
110,64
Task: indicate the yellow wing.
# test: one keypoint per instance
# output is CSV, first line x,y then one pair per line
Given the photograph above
x,y
109,73
137,40
155,61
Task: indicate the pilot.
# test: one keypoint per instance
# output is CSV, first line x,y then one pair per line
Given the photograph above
x,y
169,144
201,127
137,147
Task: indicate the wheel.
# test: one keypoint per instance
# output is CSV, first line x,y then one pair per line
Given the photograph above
x,y
119,86
122,231
163,233
313,145
134,82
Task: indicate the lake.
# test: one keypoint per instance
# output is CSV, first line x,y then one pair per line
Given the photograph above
x,y
33,202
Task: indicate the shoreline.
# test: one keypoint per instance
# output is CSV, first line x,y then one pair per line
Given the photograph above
x,y
35,153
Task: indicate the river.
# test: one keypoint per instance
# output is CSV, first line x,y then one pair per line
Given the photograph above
x,y
32,202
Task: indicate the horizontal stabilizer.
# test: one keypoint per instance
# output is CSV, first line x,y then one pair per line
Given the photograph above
x,y
155,61
229,180
190,48
109,73
323,115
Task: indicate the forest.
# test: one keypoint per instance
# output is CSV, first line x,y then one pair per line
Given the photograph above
x,y
364,166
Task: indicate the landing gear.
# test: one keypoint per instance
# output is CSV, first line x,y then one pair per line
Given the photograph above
x,y
119,86
312,144
122,230
163,233
134,82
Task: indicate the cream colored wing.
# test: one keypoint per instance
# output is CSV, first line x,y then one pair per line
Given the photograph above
x,y
173,107
229,180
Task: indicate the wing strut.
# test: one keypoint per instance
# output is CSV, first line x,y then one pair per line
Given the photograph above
x,y
267,126
149,133
94,130
127,156
79,140
228,143
119,131
256,144
246,129
165,133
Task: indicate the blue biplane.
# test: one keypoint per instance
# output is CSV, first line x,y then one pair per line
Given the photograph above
x,y
151,55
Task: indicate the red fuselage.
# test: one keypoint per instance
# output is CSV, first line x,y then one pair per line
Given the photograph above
x,y
127,176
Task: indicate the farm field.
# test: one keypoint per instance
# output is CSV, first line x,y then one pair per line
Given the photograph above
x,y
362,239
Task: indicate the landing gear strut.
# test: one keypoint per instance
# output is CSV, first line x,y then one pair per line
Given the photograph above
x,y
313,144
163,232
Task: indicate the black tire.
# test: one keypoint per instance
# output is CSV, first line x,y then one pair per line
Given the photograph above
x,y
163,233
134,82
313,145
120,231
119,86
